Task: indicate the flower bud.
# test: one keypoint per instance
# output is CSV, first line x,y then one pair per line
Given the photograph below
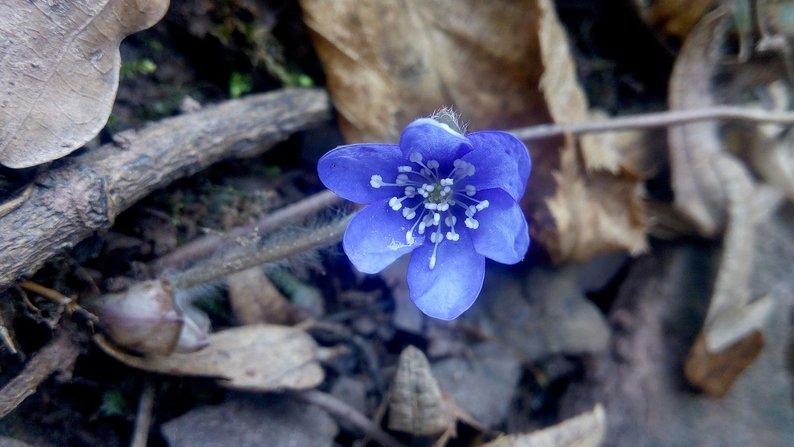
x,y
142,318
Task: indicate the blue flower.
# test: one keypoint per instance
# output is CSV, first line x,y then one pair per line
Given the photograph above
x,y
448,199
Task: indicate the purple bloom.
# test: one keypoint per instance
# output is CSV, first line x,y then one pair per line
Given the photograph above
x,y
448,199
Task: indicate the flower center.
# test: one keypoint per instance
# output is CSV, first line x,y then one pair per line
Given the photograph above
x,y
432,200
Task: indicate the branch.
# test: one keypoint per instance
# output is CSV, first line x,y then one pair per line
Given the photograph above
x,y
86,193
59,354
656,119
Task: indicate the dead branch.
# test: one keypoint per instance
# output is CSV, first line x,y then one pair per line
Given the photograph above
x,y
59,354
85,193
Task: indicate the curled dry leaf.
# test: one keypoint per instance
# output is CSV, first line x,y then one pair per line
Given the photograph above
x,y
585,430
501,64
416,404
59,72
595,205
255,357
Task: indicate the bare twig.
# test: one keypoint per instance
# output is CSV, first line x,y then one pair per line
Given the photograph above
x,y
143,418
272,252
347,414
204,246
85,193
59,354
656,119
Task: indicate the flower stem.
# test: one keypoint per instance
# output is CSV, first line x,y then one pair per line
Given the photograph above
x,y
206,245
272,252
656,119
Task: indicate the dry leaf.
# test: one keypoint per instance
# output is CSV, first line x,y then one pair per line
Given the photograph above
x,y
416,404
716,373
59,70
254,299
255,357
672,17
596,205
389,62
585,430
696,183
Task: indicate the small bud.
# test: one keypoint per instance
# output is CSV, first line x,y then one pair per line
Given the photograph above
x,y
142,318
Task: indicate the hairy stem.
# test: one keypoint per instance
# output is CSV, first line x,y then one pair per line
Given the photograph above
x,y
272,252
656,119
204,246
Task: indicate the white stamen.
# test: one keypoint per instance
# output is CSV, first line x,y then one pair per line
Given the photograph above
x,y
482,205
410,192
395,203
436,218
415,157
409,237
471,223
404,169
452,236
433,164
376,181
450,220
409,213
471,190
402,179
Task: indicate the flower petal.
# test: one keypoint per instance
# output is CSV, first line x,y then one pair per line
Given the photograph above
x,y
503,234
448,289
500,161
434,140
375,238
347,171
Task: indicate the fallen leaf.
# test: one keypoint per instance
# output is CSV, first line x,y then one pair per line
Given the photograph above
x,y
389,62
585,430
59,70
416,405
674,18
254,299
255,357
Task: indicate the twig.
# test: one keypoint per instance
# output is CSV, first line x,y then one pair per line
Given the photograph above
x,y
272,252
59,354
143,418
204,246
656,119
348,414
85,193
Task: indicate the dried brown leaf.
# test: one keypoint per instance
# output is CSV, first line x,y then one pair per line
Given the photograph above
x,y
416,404
59,70
596,205
585,430
673,17
388,62
696,184
255,357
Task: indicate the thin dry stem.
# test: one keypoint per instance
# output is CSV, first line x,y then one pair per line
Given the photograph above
x,y
656,119
348,414
272,252
143,418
